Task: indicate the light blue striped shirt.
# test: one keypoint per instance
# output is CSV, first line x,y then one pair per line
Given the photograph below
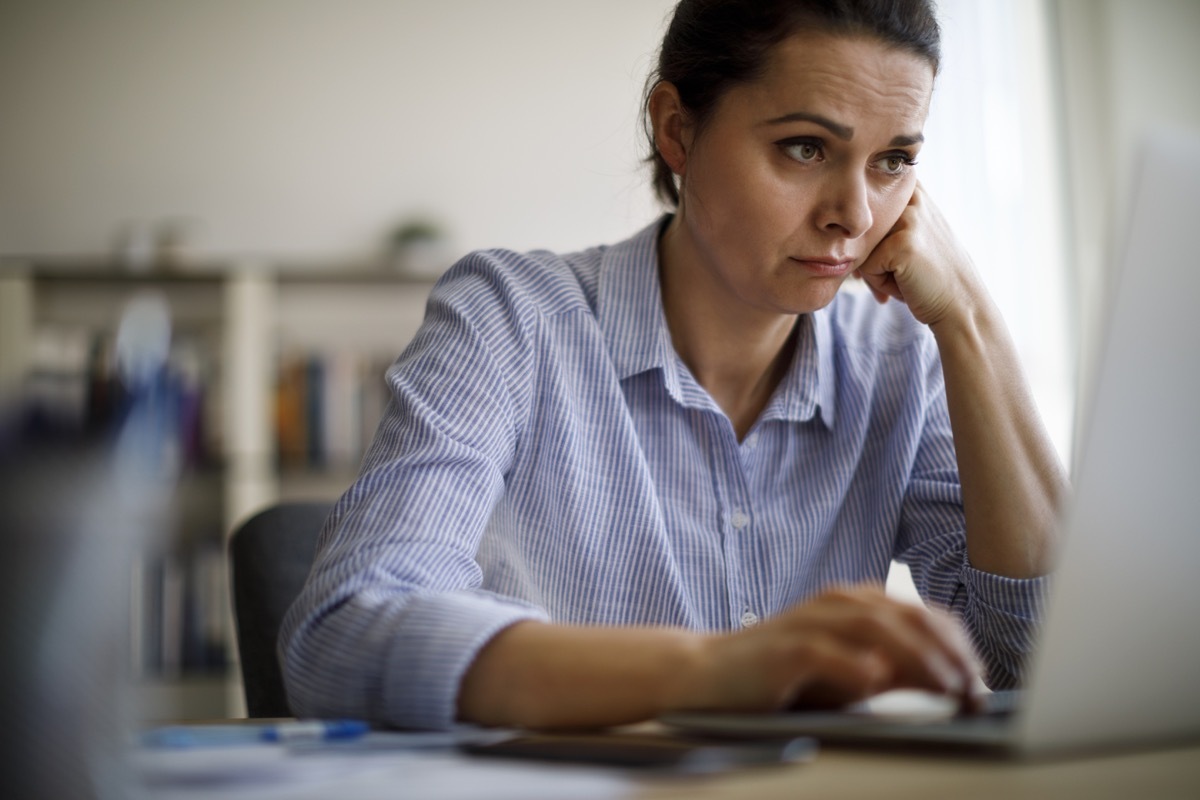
x,y
547,455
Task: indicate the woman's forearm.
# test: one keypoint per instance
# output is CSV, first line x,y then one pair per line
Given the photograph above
x,y
1012,480
835,648
537,675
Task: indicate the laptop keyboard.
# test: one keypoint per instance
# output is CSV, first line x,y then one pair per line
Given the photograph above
x,y
1002,703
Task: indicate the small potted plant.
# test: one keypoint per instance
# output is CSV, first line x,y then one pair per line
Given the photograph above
x,y
417,247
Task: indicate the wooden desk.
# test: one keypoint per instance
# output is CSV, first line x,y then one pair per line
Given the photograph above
x,y
840,773
877,775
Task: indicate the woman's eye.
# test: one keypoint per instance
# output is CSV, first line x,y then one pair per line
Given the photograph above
x,y
803,152
896,164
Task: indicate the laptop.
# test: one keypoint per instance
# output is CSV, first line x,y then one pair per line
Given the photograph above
x,y
1118,659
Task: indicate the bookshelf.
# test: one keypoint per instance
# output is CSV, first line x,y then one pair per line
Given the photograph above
x,y
239,331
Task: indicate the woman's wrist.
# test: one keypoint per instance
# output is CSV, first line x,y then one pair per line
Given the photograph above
x,y
687,678
972,316
544,675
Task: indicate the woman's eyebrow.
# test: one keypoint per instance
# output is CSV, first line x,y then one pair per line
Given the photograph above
x,y
904,140
844,132
840,131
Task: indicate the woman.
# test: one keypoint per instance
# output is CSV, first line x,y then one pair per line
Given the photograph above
x,y
671,474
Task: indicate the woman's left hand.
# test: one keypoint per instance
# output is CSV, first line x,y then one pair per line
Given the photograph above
x,y
920,263
1013,484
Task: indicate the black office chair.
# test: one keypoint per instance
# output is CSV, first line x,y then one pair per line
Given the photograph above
x,y
269,558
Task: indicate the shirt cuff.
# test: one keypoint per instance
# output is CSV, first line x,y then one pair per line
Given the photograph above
x,y
1017,597
435,646
1005,614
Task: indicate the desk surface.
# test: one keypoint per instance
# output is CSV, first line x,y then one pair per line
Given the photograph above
x,y
840,772
849,773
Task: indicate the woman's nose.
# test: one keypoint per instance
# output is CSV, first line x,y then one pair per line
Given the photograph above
x,y
844,206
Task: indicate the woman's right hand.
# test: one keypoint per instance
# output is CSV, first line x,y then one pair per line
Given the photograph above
x,y
837,648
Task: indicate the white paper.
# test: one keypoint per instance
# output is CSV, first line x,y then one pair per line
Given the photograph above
x,y
259,772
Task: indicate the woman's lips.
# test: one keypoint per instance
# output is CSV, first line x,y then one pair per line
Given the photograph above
x,y
826,267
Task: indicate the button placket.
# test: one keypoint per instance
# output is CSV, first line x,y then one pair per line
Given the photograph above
x,y
731,484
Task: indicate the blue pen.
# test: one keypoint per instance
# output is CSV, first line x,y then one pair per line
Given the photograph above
x,y
185,736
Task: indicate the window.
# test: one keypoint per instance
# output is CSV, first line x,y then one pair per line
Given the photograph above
x,y
991,162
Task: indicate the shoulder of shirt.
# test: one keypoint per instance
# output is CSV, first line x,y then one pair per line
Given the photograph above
x,y
539,281
859,322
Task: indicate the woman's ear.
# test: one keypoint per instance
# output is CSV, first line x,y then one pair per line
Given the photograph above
x,y
672,133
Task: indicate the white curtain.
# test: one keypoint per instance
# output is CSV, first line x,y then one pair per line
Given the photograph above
x,y
992,162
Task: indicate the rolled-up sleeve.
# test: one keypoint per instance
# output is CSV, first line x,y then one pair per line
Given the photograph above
x,y
392,614
1005,615
1001,614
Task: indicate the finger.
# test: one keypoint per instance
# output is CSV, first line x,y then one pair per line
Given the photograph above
x,y
921,653
883,287
967,659
952,628
834,674
879,267
879,296
878,277
944,635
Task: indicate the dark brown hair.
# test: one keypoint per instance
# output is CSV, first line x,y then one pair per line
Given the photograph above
x,y
712,45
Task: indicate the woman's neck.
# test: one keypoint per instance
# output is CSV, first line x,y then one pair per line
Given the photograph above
x,y
737,353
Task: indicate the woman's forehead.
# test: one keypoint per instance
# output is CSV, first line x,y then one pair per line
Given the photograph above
x,y
858,77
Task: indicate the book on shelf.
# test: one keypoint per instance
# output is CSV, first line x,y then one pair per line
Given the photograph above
x,y
327,407
73,386
178,608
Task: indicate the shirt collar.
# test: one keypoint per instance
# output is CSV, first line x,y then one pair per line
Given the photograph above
x,y
629,306
630,313
809,385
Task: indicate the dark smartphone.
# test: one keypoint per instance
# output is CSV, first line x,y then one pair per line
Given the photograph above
x,y
648,751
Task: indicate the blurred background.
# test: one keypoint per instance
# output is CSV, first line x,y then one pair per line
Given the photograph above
x,y
290,176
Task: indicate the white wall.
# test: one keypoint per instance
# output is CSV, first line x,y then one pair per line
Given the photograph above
x,y
1154,70
1128,67
302,128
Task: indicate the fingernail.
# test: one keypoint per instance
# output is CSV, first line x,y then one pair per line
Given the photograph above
x,y
952,680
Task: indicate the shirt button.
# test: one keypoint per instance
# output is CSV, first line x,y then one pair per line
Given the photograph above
x,y
738,519
749,619
752,441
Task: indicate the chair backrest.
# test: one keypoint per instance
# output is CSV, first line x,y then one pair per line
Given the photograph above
x,y
269,559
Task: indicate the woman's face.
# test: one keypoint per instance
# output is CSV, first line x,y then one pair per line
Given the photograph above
x,y
797,176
